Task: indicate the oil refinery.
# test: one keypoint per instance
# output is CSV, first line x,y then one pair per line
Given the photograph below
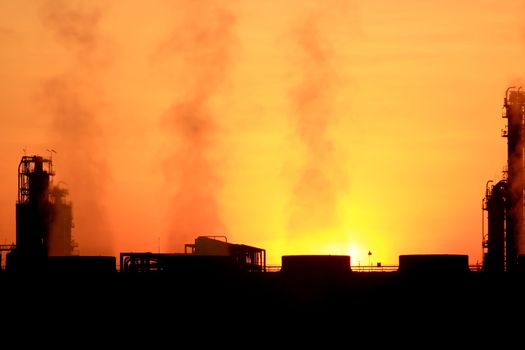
x,y
504,241
44,226
215,275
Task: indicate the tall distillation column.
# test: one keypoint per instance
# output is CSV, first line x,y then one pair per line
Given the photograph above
x,y
43,215
514,105
32,207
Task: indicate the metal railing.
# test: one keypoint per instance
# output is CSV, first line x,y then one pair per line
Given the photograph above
x,y
374,268
273,268
355,268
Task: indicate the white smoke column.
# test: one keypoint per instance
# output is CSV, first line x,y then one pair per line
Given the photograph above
x,y
75,100
313,207
199,51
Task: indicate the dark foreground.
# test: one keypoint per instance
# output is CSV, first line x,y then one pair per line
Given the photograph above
x,y
265,303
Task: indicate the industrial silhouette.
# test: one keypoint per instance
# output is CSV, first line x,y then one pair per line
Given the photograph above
x,y
214,276
44,219
504,241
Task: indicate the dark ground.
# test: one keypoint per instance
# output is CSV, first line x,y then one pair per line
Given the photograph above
x,y
261,306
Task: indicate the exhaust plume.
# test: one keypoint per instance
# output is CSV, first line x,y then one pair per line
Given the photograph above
x,y
74,100
199,51
313,206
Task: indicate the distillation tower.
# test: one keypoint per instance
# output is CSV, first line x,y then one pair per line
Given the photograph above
x,y
44,217
504,241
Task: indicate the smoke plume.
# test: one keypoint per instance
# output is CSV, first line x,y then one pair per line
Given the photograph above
x,y
74,99
313,206
199,52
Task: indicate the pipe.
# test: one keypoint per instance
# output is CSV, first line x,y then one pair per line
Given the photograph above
x,y
507,94
487,187
483,205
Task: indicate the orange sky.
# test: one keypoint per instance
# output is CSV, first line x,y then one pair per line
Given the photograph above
x,y
333,127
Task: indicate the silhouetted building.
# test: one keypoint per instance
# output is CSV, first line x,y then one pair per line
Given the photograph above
x,y
495,203
32,208
505,238
43,215
515,239
75,264
208,254
246,257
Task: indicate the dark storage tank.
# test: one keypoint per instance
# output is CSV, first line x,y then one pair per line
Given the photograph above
x,y
71,264
81,264
316,264
433,263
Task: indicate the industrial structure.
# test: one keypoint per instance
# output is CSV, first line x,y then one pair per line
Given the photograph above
x,y
44,222
207,254
217,283
504,240
44,218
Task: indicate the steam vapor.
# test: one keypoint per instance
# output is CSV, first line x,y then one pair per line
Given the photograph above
x,y
73,98
200,49
313,206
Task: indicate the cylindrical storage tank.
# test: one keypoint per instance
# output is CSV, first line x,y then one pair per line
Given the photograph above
x,y
316,264
433,263
75,264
